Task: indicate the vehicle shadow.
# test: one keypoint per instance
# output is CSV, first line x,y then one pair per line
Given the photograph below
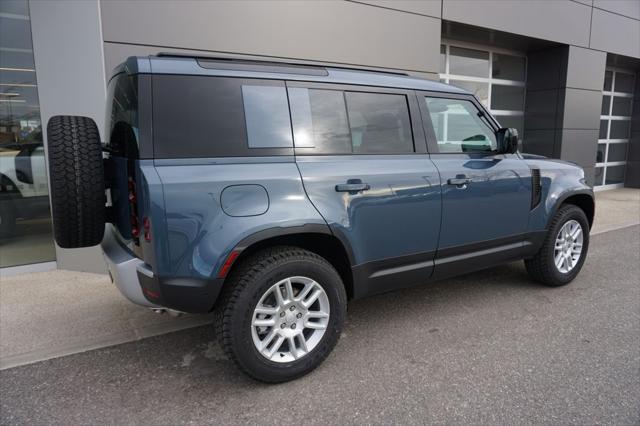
x,y
433,299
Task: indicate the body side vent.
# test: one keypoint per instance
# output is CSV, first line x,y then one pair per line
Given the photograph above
x,y
536,188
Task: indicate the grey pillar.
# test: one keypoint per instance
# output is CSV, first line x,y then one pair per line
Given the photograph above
x,y
67,46
581,107
564,97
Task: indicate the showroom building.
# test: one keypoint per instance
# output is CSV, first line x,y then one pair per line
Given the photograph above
x,y
563,72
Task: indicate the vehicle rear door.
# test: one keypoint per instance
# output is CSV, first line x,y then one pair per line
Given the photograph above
x,y
362,157
486,195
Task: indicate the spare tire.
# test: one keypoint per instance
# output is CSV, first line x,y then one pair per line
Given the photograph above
x,y
76,173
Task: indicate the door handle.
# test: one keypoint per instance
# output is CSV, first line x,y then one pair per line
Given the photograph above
x,y
353,186
460,181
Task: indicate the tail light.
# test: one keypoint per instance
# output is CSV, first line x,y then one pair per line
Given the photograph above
x,y
133,209
146,228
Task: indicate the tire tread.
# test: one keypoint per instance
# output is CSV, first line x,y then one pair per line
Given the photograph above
x,y
539,267
76,174
242,277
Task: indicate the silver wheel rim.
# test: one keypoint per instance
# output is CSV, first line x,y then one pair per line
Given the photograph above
x,y
290,319
568,246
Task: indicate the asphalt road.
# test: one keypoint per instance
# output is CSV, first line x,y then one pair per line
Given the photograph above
x,y
488,348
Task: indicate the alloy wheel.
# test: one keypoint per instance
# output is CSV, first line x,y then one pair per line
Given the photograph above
x,y
290,319
568,247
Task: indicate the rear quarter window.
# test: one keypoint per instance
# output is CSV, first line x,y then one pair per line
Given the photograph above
x,y
201,116
122,115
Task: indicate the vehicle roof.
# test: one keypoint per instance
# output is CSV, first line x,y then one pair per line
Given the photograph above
x,y
225,67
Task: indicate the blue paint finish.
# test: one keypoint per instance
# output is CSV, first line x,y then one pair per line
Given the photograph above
x,y
119,197
244,200
493,205
200,235
152,206
560,180
200,209
399,215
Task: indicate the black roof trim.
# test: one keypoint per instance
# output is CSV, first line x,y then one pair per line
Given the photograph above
x,y
219,62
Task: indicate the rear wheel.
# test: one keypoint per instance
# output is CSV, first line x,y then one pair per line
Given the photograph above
x,y
564,250
281,313
77,181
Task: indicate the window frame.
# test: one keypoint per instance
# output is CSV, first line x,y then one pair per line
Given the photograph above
x,y
432,140
417,129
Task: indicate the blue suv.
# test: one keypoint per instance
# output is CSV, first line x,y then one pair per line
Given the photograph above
x,y
273,193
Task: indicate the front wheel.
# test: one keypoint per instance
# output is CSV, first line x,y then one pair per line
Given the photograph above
x,y
564,250
281,313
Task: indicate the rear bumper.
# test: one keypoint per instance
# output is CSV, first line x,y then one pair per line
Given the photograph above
x,y
138,283
123,268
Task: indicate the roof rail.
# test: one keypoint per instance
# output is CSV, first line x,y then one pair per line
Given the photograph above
x,y
300,66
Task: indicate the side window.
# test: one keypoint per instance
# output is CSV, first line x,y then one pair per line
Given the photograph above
x,y
458,127
200,117
122,116
320,124
266,114
379,123
336,122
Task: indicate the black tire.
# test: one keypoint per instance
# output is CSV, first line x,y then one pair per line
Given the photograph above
x,y
7,218
542,267
242,292
76,172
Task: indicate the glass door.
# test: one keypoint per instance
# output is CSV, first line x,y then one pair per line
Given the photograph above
x,y
25,220
497,77
615,128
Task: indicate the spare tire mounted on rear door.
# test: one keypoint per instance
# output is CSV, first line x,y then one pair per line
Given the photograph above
x,y
76,172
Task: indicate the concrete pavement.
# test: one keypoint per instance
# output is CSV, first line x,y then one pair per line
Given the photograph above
x,y
615,209
487,348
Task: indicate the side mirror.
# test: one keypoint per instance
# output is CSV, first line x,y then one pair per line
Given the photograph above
x,y
507,140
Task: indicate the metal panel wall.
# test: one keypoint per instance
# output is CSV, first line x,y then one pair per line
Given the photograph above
x,y
564,97
629,8
337,32
615,33
562,21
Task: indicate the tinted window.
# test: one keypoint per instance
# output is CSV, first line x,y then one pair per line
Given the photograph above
x,y
336,122
457,126
480,90
623,83
267,116
379,123
122,117
320,124
197,116
508,67
507,97
619,129
469,62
